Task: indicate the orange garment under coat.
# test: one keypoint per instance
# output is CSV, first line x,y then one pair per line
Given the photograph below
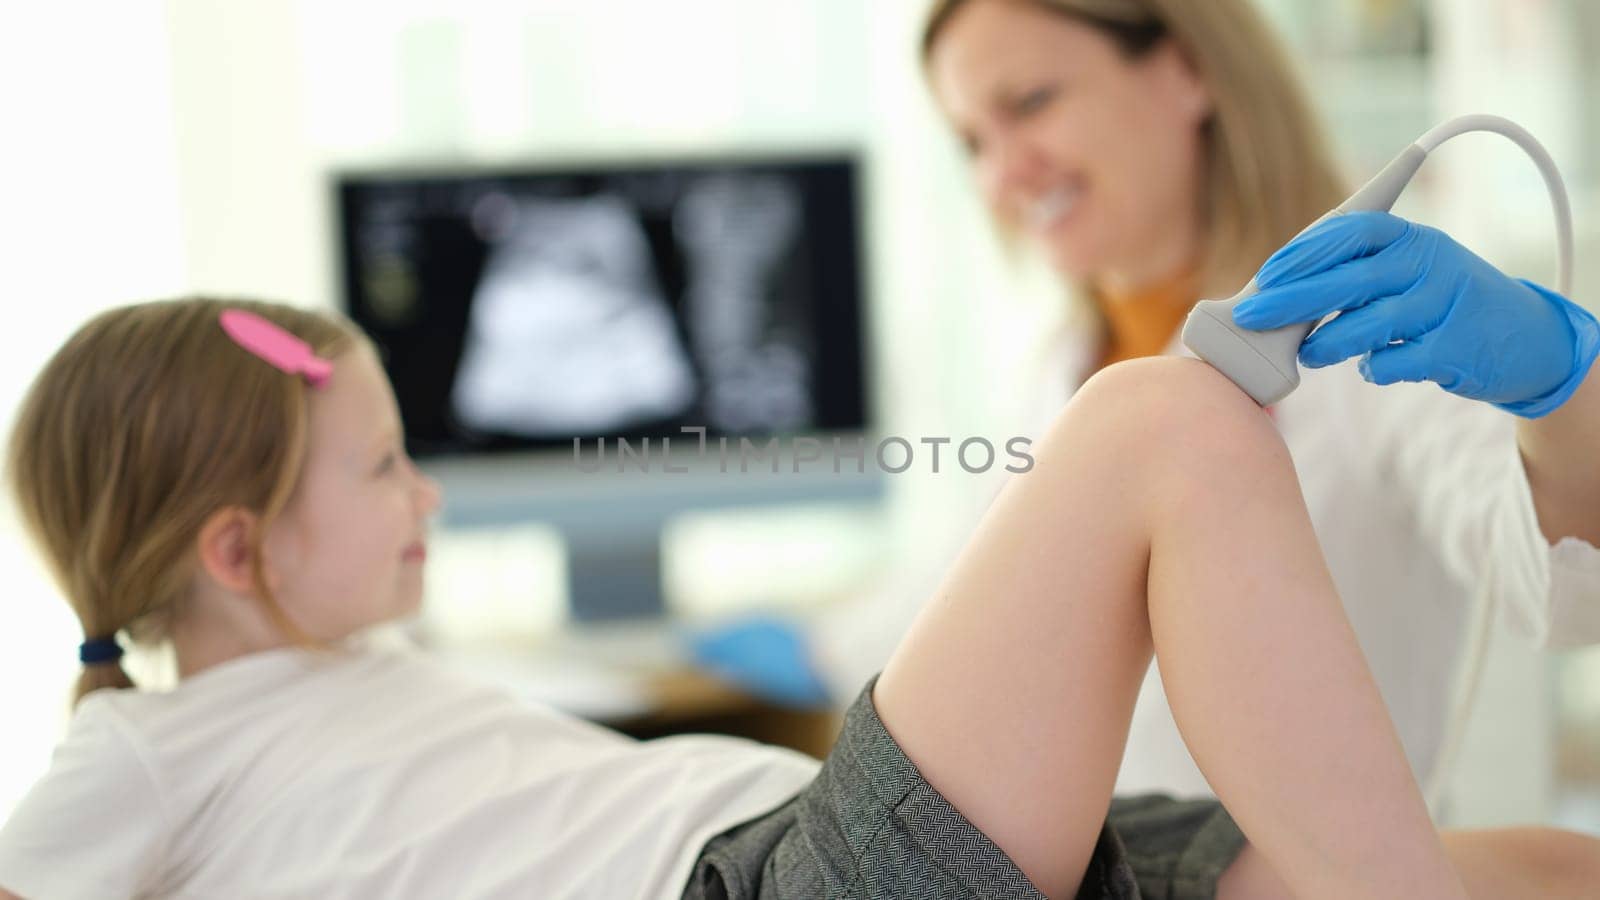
x,y
1142,322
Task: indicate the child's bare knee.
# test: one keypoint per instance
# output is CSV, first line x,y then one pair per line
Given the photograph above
x,y
1162,401
1166,380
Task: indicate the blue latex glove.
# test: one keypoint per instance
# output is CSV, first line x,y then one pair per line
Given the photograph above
x,y
1417,306
765,655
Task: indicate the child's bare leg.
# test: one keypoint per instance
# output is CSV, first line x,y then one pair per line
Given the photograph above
x,y
1547,863
1163,504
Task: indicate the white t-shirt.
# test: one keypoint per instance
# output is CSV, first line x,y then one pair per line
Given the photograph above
x,y
371,774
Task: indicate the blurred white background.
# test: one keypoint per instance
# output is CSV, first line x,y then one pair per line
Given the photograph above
x,y
156,148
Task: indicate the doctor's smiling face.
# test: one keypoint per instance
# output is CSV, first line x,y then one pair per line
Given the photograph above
x,y
1090,149
348,550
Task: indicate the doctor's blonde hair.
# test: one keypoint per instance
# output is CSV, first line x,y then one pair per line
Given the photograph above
x,y
147,421
1269,171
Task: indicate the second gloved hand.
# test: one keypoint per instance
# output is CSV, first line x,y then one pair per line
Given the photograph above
x,y
1417,306
765,655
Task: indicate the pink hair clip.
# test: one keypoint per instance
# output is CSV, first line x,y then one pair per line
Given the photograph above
x,y
276,346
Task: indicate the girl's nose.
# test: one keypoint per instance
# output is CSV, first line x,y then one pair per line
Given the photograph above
x,y
427,491
432,495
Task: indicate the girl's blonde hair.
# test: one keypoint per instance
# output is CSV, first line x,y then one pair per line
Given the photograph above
x,y
1268,171
147,421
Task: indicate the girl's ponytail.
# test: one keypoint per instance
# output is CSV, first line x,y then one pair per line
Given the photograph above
x,y
102,667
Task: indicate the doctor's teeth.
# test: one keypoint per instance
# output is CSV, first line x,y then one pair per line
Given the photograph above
x,y
1052,206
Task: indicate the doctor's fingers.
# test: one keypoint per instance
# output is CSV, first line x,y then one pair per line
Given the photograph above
x,y
1414,360
1351,284
1376,325
1332,242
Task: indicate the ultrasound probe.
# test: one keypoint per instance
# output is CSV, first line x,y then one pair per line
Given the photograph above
x,y
1263,363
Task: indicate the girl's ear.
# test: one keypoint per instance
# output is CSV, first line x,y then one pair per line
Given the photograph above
x,y
225,548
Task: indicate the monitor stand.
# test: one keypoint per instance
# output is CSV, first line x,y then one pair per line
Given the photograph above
x,y
612,523
615,573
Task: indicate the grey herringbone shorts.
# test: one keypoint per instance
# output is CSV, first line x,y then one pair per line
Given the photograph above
x,y
870,827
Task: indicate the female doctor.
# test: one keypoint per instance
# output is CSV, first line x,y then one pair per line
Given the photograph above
x,y
1156,152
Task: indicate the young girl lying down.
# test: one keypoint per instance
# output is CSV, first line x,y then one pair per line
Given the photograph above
x,y
231,476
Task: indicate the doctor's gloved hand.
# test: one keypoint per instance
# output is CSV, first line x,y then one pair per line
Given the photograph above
x,y
1417,306
765,655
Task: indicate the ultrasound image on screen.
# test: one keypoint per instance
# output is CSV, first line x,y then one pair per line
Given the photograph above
x,y
570,331
519,310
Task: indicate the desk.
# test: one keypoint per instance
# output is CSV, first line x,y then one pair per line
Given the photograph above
x,y
688,701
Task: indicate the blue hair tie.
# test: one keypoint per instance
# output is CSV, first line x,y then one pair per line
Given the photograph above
x,y
99,650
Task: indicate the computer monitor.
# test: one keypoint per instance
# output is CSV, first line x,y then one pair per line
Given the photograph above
x,y
537,322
